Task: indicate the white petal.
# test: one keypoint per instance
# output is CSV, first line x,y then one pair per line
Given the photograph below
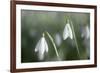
x,y
46,45
41,48
37,46
67,32
41,57
88,32
70,32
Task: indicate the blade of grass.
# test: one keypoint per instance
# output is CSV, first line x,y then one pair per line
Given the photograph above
x,y
75,38
50,37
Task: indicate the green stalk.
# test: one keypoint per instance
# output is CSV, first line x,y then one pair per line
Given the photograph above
x,y
75,38
50,37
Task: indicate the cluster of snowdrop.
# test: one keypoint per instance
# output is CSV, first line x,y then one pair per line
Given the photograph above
x,y
42,46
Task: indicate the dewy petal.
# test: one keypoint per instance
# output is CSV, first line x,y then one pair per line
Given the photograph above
x,y
67,32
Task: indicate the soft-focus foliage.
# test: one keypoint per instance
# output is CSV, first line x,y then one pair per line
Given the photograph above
x,y
34,23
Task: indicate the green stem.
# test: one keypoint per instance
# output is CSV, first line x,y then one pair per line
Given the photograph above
x,y
53,45
75,39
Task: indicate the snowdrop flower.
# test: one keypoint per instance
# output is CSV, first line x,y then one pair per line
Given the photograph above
x,y
41,48
85,32
67,32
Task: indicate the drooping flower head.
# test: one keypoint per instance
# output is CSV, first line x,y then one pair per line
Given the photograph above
x,y
41,48
67,31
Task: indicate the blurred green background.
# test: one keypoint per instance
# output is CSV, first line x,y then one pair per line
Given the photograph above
x,y
34,23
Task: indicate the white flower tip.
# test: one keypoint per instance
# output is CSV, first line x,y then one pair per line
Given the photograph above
x,y
71,36
41,57
65,37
